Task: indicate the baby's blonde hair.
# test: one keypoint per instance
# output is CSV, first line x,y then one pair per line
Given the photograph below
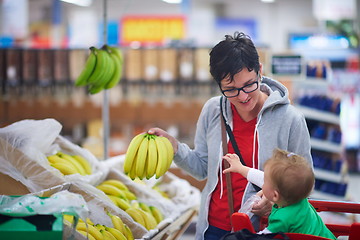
x,y
291,175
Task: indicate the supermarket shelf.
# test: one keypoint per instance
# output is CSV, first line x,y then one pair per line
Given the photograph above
x,y
325,196
328,175
325,145
315,114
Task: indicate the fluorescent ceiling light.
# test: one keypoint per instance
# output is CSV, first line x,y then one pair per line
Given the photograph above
x,y
172,1
268,1
82,3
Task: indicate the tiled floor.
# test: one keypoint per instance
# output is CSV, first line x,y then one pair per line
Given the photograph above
x,y
353,194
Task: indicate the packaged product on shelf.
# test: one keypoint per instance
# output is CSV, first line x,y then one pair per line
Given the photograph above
x,y
168,71
27,146
151,64
133,64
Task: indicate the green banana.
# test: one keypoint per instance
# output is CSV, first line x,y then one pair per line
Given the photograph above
x,y
117,59
90,63
106,75
102,62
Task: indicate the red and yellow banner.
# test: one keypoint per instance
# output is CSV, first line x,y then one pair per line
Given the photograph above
x,y
151,29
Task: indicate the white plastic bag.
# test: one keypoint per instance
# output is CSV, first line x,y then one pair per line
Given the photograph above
x,y
247,206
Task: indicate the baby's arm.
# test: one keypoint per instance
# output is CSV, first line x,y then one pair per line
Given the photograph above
x,y
253,175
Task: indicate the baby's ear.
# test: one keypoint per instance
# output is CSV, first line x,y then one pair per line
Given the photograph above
x,y
276,196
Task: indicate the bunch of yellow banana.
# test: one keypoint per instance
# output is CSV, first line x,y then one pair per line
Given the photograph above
x,y
147,216
118,193
70,164
119,231
148,155
103,69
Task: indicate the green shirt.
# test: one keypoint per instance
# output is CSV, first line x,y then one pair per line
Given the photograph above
x,y
300,217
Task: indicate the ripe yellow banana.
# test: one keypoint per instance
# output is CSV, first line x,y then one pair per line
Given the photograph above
x,y
129,195
86,234
57,159
73,161
152,160
132,151
116,183
85,163
169,148
90,63
117,73
117,222
116,233
162,164
107,235
89,228
128,233
99,227
136,215
120,202
111,190
156,213
65,169
144,207
150,221
141,157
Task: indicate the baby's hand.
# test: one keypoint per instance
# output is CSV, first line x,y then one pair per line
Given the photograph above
x,y
234,161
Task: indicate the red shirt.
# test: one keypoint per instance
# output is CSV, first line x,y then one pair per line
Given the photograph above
x,y
218,209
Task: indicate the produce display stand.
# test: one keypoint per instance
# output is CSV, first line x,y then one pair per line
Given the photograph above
x,y
174,230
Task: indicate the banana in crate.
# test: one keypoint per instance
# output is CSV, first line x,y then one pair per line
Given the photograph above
x,y
142,213
147,156
118,231
103,69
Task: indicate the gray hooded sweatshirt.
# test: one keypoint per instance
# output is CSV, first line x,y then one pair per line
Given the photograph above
x,y
279,125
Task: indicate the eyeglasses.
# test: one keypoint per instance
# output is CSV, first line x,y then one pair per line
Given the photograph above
x,y
248,88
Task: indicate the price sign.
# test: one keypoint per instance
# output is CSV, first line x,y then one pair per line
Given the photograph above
x,y
286,65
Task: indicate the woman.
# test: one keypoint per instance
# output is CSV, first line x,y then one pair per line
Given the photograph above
x,y
261,118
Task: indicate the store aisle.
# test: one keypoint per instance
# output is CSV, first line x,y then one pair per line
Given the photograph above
x,y
353,194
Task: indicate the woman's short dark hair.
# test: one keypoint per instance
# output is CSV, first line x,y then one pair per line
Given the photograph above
x,y
232,55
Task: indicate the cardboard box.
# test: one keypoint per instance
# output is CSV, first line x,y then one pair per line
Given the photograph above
x,y
31,227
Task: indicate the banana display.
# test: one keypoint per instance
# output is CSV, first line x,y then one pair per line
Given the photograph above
x,y
103,69
122,197
148,155
70,164
119,231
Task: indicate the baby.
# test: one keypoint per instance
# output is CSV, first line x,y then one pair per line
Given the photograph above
x,y
287,181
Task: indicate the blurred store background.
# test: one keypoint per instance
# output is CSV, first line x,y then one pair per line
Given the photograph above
x,y
312,46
